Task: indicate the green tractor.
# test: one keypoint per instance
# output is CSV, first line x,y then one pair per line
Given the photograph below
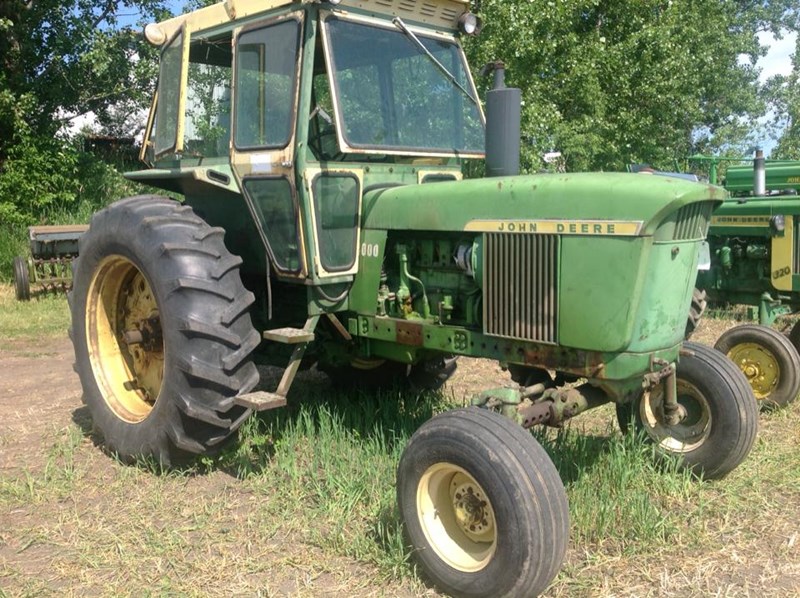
x,y
754,260
319,148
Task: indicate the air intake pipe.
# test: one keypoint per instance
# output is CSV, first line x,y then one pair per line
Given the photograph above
x,y
759,174
503,116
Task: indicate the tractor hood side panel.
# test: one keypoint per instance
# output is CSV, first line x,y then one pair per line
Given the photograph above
x,y
625,253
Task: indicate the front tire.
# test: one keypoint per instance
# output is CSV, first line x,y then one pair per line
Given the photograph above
x,y
161,330
721,414
482,505
768,360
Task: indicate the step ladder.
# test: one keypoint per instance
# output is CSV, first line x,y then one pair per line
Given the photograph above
x,y
299,337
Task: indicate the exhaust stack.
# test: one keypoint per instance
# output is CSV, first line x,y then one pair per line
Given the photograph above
x,y
503,116
759,174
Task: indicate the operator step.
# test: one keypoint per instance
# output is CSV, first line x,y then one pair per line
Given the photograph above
x,y
289,336
260,400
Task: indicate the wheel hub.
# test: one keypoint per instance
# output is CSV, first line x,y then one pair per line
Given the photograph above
x,y
695,423
470,508
759,365
457,517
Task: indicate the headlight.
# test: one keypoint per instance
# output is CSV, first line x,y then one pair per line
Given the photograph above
x,y
470,24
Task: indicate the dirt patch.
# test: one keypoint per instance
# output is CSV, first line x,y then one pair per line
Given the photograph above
x,y
40,391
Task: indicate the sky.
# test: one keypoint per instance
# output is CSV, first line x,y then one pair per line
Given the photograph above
x,y
778,61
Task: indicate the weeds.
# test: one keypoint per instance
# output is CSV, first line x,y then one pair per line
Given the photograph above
x,y
57,478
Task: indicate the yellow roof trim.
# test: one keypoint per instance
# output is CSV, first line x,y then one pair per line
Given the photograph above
x,y
440,13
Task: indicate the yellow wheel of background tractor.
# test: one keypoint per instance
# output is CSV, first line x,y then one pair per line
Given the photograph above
x,y
768,360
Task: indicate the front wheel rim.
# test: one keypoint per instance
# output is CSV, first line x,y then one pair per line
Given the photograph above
x,y
457,517
691,432
759,365
123,333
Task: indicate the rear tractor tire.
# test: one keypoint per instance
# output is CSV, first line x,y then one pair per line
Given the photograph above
x,y
22,283
768,360
161,330
721,414
483,505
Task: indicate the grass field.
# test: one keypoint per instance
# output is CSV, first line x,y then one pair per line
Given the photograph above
x,y
303,504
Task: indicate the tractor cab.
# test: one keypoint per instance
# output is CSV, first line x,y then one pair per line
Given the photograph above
x,y
295,110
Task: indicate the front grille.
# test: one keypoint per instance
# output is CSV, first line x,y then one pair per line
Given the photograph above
x,y
692,221
520,286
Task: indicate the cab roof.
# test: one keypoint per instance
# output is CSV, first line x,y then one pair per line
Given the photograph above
x,y
443,14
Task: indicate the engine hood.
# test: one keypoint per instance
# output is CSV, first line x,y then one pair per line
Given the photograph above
x,y
466,205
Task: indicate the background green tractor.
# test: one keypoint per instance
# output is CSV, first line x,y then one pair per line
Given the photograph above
x,y
755,260
319,149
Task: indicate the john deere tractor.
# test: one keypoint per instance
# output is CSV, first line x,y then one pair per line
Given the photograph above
x,y
755,260
319,149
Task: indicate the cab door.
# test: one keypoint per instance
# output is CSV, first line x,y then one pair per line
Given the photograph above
x,y
267,59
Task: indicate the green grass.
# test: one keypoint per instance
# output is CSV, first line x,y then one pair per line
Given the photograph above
x,y
311,489
304,504
332,464
44,316
55,481
329,468
621,493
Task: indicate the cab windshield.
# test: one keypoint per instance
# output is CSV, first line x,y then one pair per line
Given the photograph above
x,y
391,96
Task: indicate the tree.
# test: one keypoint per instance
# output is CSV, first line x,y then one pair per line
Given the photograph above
x,y
785,92
609,82
66,58
59,59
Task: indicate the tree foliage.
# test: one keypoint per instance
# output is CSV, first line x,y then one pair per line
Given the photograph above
x,y
60,59
785,91
70,57
610,82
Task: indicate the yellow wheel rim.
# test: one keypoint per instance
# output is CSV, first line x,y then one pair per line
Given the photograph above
x,y
760,367
690,433
123,332
457,517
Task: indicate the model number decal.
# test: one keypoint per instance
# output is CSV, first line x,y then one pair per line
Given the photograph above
x,y
370,250
781,272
